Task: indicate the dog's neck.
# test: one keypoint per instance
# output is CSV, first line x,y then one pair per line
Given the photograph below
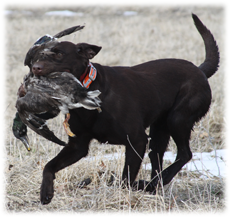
x,y
88,76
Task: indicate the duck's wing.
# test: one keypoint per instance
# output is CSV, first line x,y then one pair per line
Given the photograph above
x,y
37,103
39,126
32,108
43,85
68,31
70,91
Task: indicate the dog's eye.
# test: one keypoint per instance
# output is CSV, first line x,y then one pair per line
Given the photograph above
x,y
59,55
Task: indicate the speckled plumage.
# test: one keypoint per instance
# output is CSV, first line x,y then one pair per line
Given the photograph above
x,y
62,90
35,103
47,96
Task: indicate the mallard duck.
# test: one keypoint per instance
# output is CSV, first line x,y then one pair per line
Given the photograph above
x,y
37,121
41,98
45,43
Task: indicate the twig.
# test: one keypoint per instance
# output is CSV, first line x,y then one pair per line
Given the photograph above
x,y
133,148
210,141
129,199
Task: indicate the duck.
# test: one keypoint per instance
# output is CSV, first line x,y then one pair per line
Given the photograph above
x,y
37,122
42,98
30,106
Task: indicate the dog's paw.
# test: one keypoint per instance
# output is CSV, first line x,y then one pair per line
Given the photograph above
x,y
47,191
144,185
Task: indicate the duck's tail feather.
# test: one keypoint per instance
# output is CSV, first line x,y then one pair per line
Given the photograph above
x,y
39,126
92,100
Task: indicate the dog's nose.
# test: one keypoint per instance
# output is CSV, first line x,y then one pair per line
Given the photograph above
x,y
37,68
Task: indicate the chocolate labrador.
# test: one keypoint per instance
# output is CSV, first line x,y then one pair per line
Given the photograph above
x,y
169,95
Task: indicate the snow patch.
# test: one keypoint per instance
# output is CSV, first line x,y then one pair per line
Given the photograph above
x,y
8,12
65,13
208,163
129,13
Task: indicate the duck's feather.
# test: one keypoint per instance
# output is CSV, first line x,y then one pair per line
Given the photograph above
x,y
40,127
33,109
66,90
45,96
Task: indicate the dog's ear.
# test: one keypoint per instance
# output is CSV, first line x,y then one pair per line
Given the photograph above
x,y
87,50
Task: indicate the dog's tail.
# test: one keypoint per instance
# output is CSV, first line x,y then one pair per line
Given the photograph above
x,y
211,63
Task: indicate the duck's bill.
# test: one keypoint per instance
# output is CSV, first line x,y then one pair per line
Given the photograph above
x,y
25,141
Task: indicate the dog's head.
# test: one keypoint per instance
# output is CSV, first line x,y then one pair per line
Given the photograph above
x,y
49,55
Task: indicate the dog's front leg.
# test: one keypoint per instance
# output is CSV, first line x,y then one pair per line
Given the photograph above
x,y
135,150
71,153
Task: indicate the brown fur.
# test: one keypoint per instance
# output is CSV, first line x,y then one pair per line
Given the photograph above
x,y
169,95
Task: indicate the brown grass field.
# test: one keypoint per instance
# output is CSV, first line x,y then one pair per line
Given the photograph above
x,y
153,32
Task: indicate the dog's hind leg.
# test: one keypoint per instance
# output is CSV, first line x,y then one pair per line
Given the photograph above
x,y
180,129
159,140
189,107
159,135
180,132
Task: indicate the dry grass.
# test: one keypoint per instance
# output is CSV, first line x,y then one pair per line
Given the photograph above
x,y
155,32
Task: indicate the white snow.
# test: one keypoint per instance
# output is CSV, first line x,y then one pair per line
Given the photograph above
x,y
206,163
24,12
8,12
65,13
129,13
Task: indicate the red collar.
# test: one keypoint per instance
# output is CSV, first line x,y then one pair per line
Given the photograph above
x,y
88,76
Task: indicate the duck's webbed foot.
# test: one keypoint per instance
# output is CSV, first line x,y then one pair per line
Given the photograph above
x,y
66,126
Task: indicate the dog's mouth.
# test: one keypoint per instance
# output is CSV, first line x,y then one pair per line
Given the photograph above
x,y
42,68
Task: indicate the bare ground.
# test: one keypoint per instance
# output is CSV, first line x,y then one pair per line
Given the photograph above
x,y
154,32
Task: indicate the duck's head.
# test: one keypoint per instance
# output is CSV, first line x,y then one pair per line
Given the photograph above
x,y
20,131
